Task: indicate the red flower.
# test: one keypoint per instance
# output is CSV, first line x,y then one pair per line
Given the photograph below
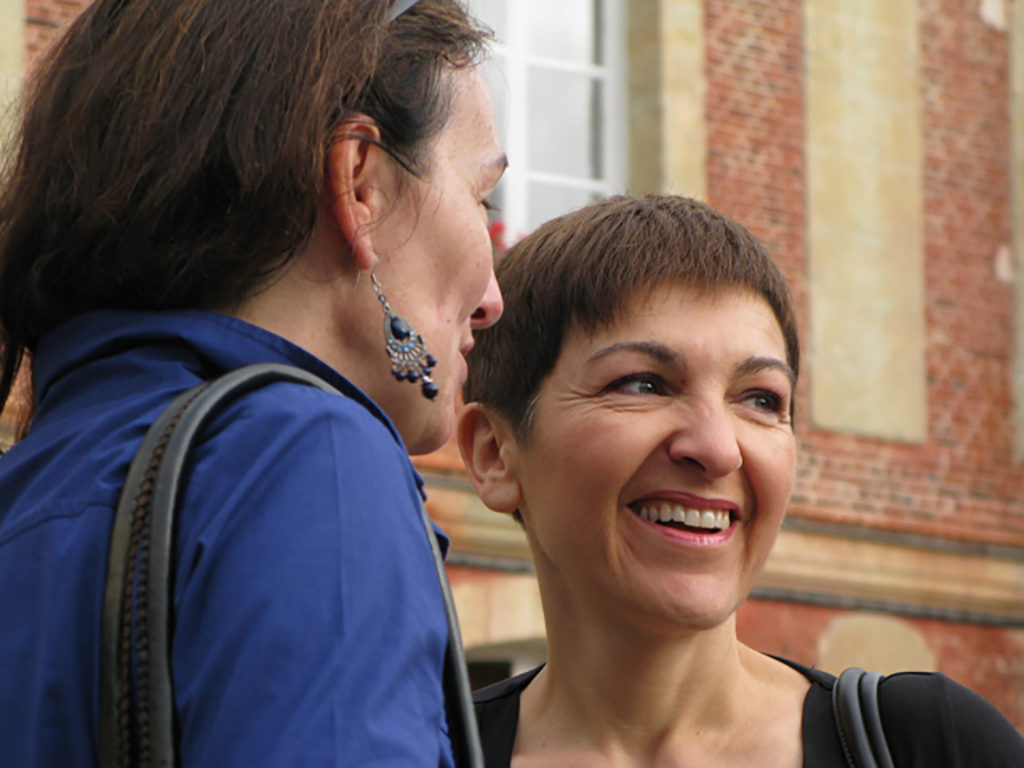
x,y
496,229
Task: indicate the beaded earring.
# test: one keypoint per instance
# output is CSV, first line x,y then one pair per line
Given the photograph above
x,y
410,360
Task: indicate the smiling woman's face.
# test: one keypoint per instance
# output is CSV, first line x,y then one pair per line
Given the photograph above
x,y
660,461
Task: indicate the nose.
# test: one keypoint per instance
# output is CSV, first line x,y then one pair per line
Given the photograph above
x,y
491,305
708,441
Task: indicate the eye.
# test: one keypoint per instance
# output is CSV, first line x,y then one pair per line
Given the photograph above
x,y
489,206
765,400
638,384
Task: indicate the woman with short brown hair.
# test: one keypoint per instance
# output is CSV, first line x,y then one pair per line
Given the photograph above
x,y
634,410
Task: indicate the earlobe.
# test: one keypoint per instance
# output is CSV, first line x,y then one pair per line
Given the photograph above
x,y
488,450
352,182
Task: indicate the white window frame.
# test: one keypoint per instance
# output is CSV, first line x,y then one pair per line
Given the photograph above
x,y
512,58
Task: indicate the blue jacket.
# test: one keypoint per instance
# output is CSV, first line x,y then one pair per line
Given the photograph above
x,y
310,628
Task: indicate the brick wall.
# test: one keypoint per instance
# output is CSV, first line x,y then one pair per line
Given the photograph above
x,y
962,483
43,20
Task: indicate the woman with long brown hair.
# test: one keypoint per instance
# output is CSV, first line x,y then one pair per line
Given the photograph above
x,y
201,185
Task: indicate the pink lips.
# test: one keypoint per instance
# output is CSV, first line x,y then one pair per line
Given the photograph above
x,y
682,536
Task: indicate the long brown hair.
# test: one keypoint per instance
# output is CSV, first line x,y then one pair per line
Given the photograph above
x,y
171,151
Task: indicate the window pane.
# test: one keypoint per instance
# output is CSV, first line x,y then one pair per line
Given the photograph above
x,y
564,126
549,200
564,29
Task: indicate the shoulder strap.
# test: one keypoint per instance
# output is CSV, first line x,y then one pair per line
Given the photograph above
x,y
137,724
858,719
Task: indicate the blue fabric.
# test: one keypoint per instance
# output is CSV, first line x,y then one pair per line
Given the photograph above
x,y
310,628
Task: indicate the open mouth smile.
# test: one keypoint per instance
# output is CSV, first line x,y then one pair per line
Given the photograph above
x,y
684,518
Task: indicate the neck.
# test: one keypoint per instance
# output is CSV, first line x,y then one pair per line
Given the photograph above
x,y
614,677
614,695
314,301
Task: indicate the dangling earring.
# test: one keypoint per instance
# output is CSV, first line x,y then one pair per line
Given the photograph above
x,y
410,360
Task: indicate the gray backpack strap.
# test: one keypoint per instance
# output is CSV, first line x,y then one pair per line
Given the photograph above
x,y
859,720
137,718
137,721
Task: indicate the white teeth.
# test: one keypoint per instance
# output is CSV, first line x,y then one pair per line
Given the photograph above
x,y
714,520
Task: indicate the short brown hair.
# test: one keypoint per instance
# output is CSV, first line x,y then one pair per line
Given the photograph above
x,y
578,270
171,151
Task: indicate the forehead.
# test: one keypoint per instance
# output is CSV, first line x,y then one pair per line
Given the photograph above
x,y
470,133
685,315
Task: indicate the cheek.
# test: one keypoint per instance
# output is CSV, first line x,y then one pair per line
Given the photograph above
x,y
586,465
772,470
481,259
469,263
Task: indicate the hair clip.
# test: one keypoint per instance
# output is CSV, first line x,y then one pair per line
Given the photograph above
x,y
398,7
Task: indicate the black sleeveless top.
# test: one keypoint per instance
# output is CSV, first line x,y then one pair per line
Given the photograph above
x,y
930,721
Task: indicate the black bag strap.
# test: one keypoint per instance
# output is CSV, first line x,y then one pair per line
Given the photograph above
x,y
137,722
859,720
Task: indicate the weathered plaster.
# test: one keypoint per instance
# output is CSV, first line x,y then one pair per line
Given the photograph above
x,y
865,218
667,92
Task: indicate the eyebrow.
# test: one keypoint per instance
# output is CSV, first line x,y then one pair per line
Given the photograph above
x,y
668,356
758,364
660,352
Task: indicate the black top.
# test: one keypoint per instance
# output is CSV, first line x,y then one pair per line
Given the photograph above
x,y
930,721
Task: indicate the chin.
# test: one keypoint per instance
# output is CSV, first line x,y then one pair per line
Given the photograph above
x,y
423,446
433,433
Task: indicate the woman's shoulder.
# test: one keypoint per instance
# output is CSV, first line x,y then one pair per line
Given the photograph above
x,y
929,717
288,414
287,444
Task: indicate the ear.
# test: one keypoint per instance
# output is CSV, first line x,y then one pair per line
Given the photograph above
x,y
489,452
356,180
